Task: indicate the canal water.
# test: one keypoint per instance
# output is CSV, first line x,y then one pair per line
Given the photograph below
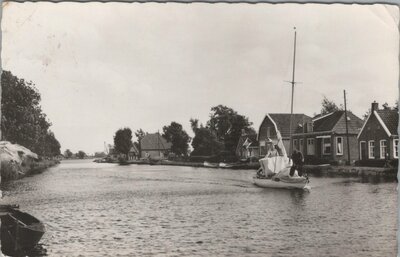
x,y
92,209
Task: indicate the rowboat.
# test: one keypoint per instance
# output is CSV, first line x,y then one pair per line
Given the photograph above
x,y
210,165
19,231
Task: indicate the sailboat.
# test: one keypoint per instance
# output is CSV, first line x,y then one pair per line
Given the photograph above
x,y
274,171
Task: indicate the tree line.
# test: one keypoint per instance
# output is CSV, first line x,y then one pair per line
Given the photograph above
x,y
22,120
218,136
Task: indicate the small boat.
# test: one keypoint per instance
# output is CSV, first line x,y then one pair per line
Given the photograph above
x,y
287,182
210,165
20,231
225,165
275,169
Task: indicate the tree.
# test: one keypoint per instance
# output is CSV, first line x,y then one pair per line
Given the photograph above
x,y
329,106
22,120
123,141
175,134
228,126
205,141
139,135
68,154
81,154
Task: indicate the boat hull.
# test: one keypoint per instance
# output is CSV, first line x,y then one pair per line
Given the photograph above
x,y
20,231
270,183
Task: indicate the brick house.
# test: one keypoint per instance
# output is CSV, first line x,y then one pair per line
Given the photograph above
x,y
378,138
247,147
281,122
154,146
324,140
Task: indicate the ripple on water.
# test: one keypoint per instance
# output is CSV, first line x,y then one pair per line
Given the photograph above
x,y
109,210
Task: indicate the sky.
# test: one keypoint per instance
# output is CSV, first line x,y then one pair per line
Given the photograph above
x,y
101,67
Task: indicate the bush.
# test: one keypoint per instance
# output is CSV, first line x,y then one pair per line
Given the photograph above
x,y
377,163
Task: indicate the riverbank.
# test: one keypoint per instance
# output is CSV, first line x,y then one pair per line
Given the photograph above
x,y
17,162
318,170
13,171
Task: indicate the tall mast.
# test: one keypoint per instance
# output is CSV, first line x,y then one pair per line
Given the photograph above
x,y
293,83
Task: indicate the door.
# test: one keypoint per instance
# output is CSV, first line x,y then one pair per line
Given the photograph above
x,y
363,150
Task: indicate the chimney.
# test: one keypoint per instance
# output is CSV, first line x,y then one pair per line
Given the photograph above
x,y
374,106
243,132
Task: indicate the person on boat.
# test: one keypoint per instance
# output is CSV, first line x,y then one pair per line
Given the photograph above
x,y
274,152
298,160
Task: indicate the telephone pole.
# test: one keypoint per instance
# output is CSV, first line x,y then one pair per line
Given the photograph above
x,y
347,128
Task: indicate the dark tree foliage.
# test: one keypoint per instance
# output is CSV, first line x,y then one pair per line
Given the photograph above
x,y
139,135
205,141
329,106
23,121
228,126
123,140
68,154
175,134
81,154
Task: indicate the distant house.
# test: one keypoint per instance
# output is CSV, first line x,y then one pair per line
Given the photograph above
x,y
247,146
280,122
378,138
112,153
133,153
154,146
323,139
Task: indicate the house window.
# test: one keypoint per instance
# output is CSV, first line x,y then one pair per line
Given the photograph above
x,y
310,146
326,145
395,148
309,127
339,146
383,148
295,146
301,147
371,146
268,131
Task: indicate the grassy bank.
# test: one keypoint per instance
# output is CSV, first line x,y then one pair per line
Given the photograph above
x,y
12,171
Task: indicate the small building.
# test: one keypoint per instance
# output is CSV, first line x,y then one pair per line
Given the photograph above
x,y
154,146
378,138
133,153
280,122
247,147
324,138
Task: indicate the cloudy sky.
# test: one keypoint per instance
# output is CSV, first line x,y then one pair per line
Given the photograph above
x,y
100,67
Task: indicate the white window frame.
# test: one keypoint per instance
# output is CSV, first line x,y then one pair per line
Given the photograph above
x,y
395,147
308,146
360,148
381,147
323,146
369,150
342,147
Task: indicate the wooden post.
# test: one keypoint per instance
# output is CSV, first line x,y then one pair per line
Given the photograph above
x,y
347,128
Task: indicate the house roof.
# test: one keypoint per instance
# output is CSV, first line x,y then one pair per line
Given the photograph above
x,y
154,142
282,121
336,122
390,118
134,149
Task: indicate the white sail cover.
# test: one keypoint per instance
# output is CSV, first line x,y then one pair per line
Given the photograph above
x,y
275,164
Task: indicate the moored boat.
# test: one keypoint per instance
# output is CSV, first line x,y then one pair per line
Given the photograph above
x,y
20,231
210,165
